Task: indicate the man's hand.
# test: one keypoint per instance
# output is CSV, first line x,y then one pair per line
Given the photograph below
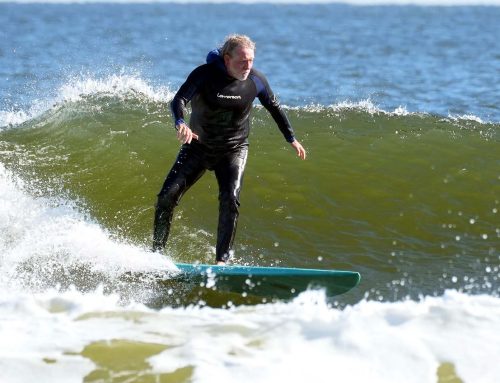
x,y
301,152
184,134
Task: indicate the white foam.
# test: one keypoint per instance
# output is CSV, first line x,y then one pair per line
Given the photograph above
x,y
366,105
466,117
116,85
372,341
369,107
78,87
13,117
305,340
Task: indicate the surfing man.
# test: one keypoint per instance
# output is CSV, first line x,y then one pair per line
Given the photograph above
x,y
221,93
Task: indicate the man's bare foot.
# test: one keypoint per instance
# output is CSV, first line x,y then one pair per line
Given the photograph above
x,y
221,263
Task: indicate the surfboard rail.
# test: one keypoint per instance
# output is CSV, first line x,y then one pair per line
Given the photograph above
x,y
272,282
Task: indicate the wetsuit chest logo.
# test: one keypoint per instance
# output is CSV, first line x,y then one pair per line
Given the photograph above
x,y
230,97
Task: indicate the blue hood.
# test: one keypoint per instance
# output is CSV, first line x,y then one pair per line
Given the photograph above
x,y
215,57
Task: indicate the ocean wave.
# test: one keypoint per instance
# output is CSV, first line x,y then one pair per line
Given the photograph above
x,y
395,175
84,89
79,88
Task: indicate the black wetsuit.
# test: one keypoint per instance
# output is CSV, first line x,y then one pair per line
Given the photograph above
x,y
221,107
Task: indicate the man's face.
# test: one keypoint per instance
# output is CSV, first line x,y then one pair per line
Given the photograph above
x,y
239,64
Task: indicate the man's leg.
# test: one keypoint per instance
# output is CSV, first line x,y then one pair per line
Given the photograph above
x,y
229,173
187,169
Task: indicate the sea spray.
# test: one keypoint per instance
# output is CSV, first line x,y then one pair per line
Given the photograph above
x,y
52,244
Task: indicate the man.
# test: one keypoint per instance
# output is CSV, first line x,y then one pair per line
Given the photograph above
x,y
221,93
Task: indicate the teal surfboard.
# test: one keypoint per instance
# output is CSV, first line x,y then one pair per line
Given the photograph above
x,y
272,282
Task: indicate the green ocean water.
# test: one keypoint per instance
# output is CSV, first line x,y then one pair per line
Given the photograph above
x,y
409,200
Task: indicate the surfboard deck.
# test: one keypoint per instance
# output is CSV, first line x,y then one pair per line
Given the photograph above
x,y
272,282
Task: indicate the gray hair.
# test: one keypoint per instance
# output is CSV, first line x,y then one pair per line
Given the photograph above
x,y
234,41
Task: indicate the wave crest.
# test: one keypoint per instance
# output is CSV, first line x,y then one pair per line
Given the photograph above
x,y
118,86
